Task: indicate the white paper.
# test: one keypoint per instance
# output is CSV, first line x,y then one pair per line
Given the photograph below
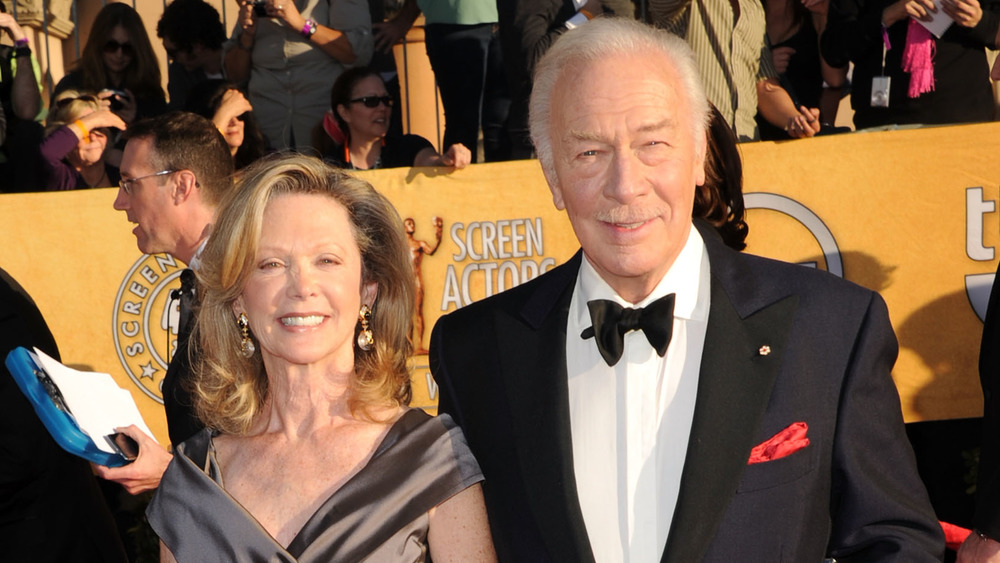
x,y
940,21
98,404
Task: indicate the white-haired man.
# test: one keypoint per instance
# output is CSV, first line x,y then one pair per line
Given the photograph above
x,y
759,424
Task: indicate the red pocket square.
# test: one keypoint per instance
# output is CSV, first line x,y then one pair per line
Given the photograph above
x,y
784,443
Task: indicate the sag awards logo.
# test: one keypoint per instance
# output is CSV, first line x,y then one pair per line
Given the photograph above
x,y
492,256
146,319
808,219
978,286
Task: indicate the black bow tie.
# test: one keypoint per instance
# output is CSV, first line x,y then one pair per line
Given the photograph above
x,y
612,321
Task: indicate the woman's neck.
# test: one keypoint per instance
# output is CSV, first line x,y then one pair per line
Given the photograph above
x,y
115,77
365,153
304,396
93,174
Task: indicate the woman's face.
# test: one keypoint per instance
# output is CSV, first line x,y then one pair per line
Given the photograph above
x,y
364,122
90,149
234,134
304,293
118,50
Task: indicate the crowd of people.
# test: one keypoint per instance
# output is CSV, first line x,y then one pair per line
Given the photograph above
x,y
661,396
775,69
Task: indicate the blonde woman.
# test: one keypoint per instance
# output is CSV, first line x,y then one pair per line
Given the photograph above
x,y
313,453
74,151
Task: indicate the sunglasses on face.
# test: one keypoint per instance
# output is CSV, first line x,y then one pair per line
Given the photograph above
x,y
113,46
172,53
84,98
373,101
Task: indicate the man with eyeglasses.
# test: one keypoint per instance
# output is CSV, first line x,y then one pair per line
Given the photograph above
x,y
192,35
175,170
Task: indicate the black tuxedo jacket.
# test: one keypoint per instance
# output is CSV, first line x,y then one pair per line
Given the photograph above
x,y
182,422
853,493
987,517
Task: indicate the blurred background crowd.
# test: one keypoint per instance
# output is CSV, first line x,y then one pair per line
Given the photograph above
x,y
389,83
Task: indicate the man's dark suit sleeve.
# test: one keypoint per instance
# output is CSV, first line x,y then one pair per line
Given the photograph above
x,y
51,508
987,516
880,508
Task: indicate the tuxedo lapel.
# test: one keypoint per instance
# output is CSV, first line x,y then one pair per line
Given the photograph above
x,y
733,390
532,342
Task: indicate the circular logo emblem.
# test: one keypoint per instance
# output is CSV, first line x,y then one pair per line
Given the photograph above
x,y
146,319
808,219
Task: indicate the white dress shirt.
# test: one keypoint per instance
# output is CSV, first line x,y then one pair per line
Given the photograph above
x,y
630,423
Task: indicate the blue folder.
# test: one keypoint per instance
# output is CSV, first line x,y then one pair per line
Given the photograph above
x,y
48,403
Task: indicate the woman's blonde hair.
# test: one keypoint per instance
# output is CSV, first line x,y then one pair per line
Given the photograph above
x,y
68,106
230,390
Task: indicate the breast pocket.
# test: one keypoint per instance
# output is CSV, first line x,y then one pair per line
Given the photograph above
x,y
765,475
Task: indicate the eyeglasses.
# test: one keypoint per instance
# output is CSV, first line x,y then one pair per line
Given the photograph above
x,y
373,101
113,46
172,53
126,184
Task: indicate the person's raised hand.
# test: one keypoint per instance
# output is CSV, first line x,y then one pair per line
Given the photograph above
x,y
10,25
233,104
102,118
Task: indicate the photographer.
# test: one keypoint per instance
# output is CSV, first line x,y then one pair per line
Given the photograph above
x,y
290,56
21,103
118,63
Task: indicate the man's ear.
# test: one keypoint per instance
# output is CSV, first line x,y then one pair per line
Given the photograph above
x,y
553,181
185,185
700,151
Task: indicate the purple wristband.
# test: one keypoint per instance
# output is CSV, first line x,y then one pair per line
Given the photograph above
x,y
21,42
309,28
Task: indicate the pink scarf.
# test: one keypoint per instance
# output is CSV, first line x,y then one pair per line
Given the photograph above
x,y
918,59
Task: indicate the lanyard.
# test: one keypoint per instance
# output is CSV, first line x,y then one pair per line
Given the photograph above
x,y
886,46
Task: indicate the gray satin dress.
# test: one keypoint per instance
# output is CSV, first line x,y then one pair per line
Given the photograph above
x,y
379,514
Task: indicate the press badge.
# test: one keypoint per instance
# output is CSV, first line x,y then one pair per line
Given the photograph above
x,y
880,91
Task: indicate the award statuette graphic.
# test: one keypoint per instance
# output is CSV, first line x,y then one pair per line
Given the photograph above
x,y
146,320
418,249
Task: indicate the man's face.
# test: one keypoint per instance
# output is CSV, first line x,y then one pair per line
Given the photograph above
x,y
149,204
188,58
626,165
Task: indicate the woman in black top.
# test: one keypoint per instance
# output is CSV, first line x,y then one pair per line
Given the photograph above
x,y
866,31
119,63
362,109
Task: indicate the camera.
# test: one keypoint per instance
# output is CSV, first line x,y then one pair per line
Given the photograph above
x,y
116,99
260,8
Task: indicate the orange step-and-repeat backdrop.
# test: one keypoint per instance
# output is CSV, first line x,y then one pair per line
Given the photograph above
x,y
912,214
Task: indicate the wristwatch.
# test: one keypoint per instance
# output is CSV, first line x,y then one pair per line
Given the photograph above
x,y
309,28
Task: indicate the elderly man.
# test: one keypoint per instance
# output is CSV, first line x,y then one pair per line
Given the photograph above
x,y
759,424
175,170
